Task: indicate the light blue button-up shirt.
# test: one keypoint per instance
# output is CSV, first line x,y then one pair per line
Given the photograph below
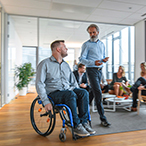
x,y
52,76
92,51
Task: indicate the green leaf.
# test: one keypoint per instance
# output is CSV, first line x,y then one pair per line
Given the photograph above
x,y
22,74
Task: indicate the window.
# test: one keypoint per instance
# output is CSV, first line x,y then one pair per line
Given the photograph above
x,y
120,49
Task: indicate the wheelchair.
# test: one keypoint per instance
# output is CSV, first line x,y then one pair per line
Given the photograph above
x,y
44,122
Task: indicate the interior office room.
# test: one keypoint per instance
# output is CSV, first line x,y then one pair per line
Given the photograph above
x,y
27,29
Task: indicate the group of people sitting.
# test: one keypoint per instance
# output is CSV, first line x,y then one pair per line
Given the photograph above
x,y
118,85
119,80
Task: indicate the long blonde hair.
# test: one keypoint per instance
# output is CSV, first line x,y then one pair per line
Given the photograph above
x,y
123,73
143,73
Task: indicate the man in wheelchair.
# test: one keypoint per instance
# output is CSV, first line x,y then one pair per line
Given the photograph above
x,y
55,78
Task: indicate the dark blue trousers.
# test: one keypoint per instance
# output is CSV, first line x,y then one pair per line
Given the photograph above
x,y
134,89
94,76
73,99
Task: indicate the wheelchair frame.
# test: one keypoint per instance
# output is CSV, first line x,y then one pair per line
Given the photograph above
x,y
62,109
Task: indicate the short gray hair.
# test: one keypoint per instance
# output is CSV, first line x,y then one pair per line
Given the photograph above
x,y
93,25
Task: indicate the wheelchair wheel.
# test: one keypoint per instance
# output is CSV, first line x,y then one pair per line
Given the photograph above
x,y
62,137
43,122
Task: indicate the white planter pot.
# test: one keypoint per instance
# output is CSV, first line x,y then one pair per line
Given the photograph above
x,y
23,92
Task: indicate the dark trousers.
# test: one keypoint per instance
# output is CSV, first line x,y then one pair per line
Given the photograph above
x,y
91,96
94,76
134,89
78,97
105,88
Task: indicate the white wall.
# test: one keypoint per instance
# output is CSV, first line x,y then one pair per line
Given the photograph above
x,y
139,46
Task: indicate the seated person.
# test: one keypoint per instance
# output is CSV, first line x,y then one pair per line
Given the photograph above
x,y
118,79
140,84
82,81
55,78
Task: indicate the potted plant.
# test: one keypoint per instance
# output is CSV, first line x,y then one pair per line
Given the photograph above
x,y
23,76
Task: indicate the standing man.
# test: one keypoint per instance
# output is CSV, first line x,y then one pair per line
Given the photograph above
x,y
55,78
82,81
93,56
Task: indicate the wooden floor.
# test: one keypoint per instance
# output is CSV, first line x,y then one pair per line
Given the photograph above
x,y
16,130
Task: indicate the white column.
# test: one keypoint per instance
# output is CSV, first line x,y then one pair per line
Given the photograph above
x,y
139,47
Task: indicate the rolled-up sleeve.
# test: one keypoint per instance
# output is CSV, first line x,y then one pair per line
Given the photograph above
x,y
40,85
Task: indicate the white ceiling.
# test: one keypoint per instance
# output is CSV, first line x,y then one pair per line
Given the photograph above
x,y
123,12
126,12
73,32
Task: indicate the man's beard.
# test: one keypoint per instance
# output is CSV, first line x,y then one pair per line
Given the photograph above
x,y
93,38
63,54
82,72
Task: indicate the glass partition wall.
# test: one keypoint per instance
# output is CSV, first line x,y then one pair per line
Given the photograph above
x,y
33,37
22,44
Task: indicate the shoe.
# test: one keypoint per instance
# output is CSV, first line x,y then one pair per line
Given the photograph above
x,y
105,123
81,131
134,109
89,129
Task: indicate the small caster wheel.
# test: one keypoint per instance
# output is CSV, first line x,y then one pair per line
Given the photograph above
x,y
62,137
